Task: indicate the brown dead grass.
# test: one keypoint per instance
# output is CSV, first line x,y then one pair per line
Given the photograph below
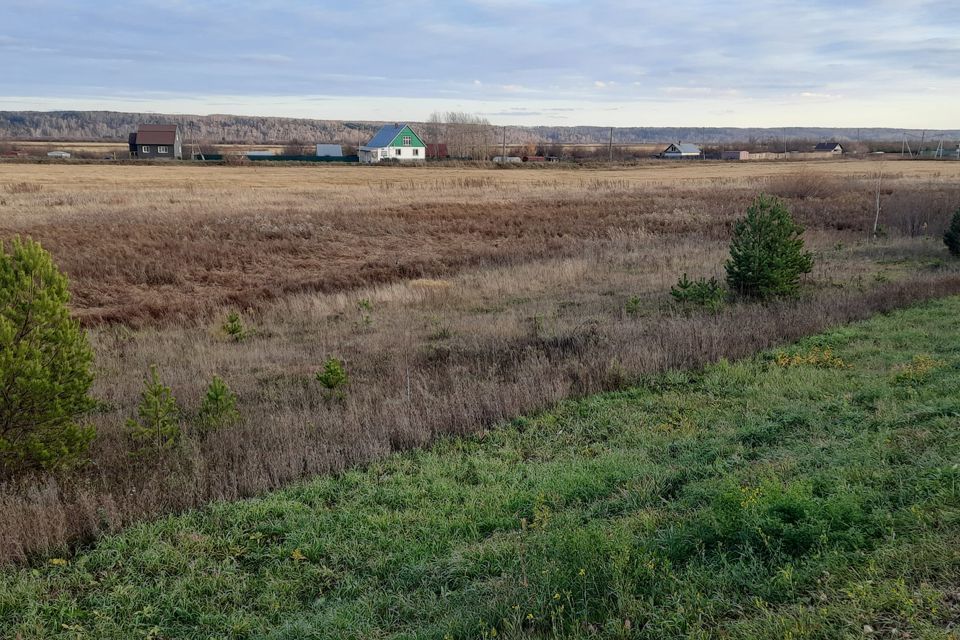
x,y
146,244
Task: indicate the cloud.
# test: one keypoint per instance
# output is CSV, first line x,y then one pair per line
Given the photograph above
x,y
267,58
759,53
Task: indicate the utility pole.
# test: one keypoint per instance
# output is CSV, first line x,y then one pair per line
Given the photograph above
x,y
876,220
610,147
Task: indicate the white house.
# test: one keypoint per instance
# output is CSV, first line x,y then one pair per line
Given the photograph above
x,y
829,147
682,150
393,142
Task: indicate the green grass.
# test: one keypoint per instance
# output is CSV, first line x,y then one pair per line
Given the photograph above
x,y
793,497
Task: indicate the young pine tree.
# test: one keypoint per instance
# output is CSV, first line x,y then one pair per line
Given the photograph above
x,y
158,422
952,237
767,256
45,362
219,407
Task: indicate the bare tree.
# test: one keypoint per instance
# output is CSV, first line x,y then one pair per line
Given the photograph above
x,y
293,148
466,135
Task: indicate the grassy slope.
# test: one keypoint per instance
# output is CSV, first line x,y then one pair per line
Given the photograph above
x,y
752,500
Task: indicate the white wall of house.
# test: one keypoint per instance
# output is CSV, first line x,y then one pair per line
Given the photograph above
x,y
392,153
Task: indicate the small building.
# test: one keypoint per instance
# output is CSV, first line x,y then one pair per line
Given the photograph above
x,y
508,159
682,150
329,151
534,158
393,142
735,155
156,141
437,150
58,154
829,147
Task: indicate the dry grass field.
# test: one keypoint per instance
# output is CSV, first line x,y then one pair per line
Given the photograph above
x,y
142,243
457,298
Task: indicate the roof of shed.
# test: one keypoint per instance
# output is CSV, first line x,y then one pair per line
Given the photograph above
x,y
330,150
827,146
156,134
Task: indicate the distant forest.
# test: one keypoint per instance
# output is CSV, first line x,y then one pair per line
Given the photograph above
x,y
113,126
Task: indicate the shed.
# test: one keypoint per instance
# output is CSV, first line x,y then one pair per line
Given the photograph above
x,y
329,151
437,150
735,155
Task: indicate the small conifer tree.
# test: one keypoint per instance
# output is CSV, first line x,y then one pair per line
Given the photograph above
x,y
219,407
767,256
333,378
159,418
952,237
234,328
45,362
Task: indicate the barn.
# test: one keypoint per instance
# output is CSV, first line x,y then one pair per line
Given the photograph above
x,y
682,150
156,141
393,142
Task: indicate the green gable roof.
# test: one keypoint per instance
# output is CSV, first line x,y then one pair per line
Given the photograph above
x,y
415,140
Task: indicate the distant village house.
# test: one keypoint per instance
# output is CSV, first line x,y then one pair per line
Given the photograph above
x,y
829,147
682,150
393,142
152,141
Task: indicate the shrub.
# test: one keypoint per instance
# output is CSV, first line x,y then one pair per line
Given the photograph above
x,y
159,417
952,236
333,377
701,292
45,362
234,327
365,308
219,406
917,371
815,357
767,256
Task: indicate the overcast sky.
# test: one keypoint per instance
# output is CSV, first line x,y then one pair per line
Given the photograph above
x,y
558,62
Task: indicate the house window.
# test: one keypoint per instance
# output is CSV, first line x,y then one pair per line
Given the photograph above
x,y
145,149
398,151
406,141
161,149
416,152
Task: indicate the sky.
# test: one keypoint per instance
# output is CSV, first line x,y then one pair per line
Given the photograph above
x,y
844,63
